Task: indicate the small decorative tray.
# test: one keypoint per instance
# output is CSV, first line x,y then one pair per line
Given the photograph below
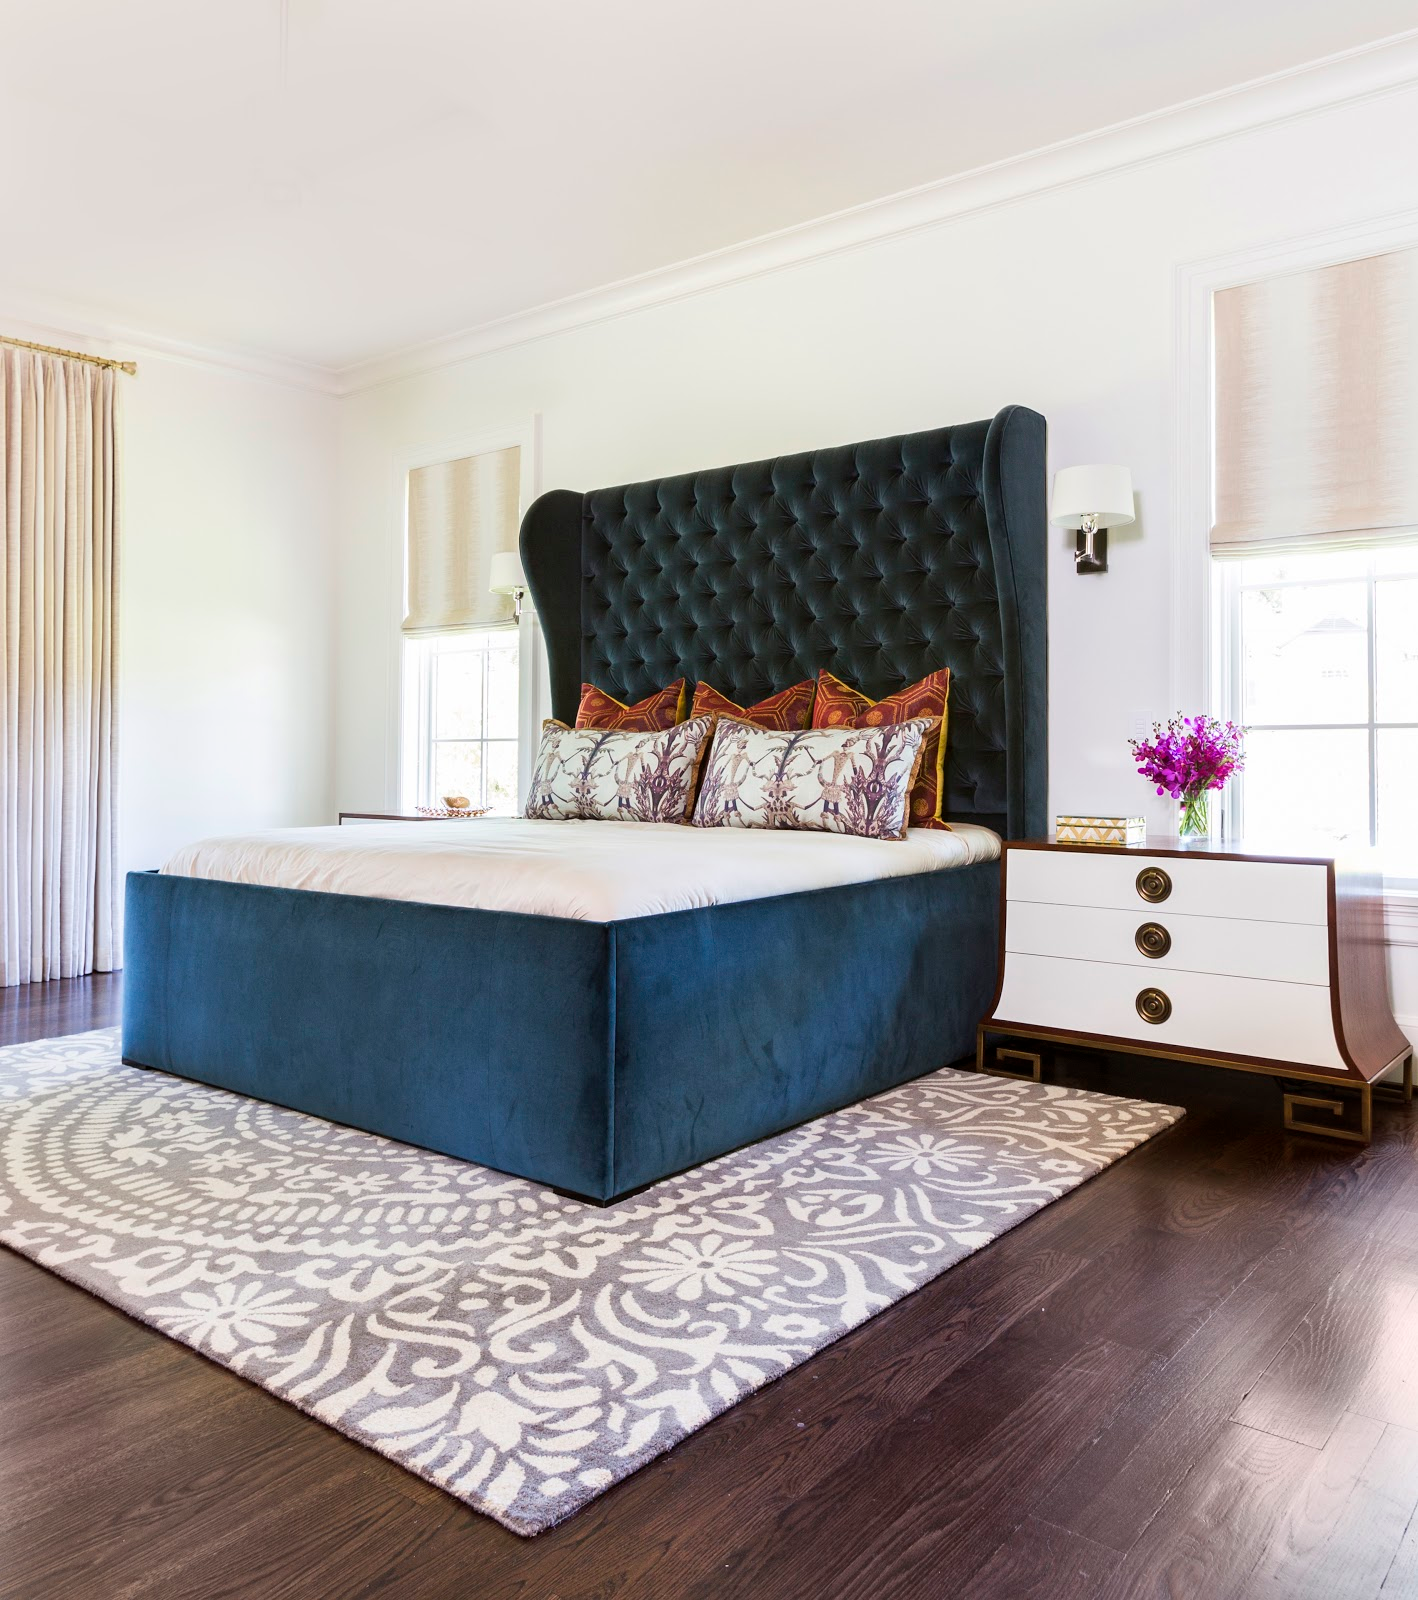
x,y
1100,830
445,811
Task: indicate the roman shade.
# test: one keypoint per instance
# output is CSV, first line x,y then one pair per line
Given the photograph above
x,y
461,514
1316,407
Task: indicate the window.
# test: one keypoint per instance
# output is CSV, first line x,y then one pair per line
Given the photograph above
x,y
1320,662
462,691
463,705
1315,531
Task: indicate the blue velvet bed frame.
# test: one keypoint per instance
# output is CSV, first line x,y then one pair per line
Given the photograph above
x,y
599,1057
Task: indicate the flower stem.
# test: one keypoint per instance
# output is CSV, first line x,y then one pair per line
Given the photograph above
x,y
1196,813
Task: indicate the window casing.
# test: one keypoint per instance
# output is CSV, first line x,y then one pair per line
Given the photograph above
x,y
462,710
1318,658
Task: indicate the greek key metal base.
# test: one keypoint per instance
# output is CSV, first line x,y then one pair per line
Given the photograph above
x,y
1328,1105
1333,1106
1035,1061
1321,1103
1399,1092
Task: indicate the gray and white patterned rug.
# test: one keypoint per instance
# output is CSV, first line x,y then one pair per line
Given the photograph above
x,y
521,1350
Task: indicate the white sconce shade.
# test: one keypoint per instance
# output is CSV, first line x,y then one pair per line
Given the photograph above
x,y
505,576
505,573
1102,493
1091,499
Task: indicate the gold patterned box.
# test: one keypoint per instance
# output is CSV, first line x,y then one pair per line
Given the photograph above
x,y
1100,830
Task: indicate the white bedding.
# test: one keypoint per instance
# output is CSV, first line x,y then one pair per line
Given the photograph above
x,y
595,871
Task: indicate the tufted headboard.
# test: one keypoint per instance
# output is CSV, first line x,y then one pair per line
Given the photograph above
x,y
880,561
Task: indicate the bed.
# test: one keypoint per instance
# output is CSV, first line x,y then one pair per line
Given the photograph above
x,y
597,1047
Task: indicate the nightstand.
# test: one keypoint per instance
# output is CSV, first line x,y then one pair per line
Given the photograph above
x,y
380,816
1222,957
403,816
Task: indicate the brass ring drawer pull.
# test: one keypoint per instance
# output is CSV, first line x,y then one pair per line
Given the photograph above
x,y
1153,1006
1153,940
1153,884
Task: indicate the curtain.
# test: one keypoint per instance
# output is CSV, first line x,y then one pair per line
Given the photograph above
x,y
461,514
1316,406
59,905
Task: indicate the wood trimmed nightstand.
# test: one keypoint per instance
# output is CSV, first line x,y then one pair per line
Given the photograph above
x,y
380,816
1222,957
403,816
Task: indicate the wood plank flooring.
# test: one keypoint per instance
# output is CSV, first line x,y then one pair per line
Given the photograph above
x,y
1192,1379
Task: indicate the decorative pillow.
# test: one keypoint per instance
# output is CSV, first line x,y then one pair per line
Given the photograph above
x,y
834,780
612,776
838,705
787,710
650,715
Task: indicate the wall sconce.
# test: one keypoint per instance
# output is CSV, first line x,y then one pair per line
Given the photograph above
x,y
1091,499
506,577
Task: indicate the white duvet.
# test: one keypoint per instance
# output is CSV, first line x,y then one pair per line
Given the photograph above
x,y
596,871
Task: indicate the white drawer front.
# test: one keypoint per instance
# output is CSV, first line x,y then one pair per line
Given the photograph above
x,y
1289,952
1240,1016
1258,891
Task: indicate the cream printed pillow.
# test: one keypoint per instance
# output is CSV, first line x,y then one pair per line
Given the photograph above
x,y
835,780
607,776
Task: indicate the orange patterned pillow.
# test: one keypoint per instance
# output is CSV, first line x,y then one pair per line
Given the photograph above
x,y
788,711
653,714
838,705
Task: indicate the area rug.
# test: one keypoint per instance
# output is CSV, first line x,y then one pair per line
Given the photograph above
x,y
519,1349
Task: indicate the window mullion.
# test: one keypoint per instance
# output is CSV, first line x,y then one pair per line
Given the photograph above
x,y
426,722
1373,714
1294,583
482,721
1235,689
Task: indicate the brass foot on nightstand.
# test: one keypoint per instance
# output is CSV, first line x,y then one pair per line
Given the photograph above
x,y
1033,1059
1333,1107
1034,1064
1401,1094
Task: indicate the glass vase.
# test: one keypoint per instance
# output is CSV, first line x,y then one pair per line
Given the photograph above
x,y
1195,821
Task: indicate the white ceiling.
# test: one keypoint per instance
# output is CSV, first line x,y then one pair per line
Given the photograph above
x,y
331,180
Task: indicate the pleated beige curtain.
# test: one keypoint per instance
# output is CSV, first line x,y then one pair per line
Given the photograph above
x,y
59,904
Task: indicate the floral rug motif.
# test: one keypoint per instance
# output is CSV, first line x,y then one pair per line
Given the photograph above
x,y
521,1350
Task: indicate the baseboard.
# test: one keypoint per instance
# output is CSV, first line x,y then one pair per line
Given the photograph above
x,y
1409,1026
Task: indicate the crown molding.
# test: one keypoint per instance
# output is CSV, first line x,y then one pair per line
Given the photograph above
x,y
1370,71
49,324
1363,73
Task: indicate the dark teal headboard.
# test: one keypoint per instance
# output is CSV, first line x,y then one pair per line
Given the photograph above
x,y
879,561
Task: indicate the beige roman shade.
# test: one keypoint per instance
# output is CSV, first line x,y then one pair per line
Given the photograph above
x,y
461,514
1317,407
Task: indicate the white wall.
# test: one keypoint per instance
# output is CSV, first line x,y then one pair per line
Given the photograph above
x,y
227,606
261,553
1064,300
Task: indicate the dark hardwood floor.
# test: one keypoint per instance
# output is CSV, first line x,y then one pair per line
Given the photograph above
x,y
1195,1377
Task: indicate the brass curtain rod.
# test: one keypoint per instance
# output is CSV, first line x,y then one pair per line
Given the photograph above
x,y
130,367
